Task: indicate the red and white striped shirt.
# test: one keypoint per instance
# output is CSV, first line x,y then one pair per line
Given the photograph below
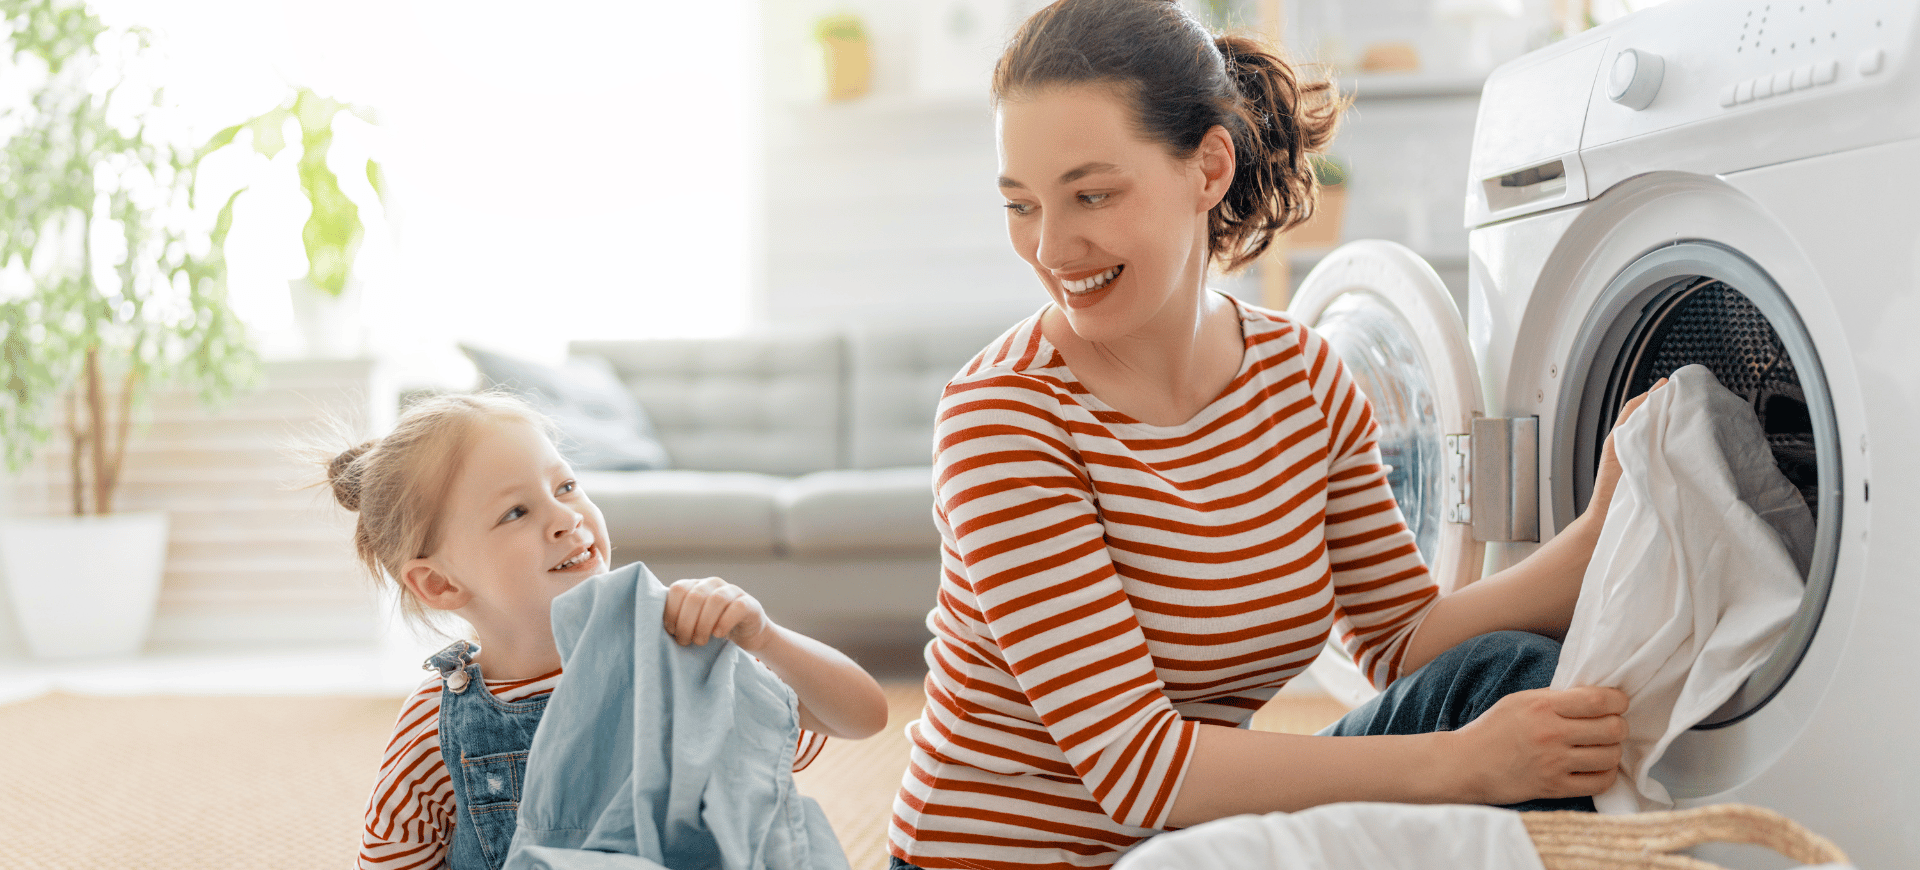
x,y
1108,585
410,814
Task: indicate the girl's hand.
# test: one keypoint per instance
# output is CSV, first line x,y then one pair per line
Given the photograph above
x,y
1543,743
710,607
1608,475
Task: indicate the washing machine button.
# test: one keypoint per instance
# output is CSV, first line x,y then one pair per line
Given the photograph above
x,y
1872,61
1763,87
1635,78
1783,82
1803,78
1744,91
1730,96
1825,72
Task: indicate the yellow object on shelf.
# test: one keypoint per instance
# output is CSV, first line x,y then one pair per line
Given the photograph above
x,y
848,54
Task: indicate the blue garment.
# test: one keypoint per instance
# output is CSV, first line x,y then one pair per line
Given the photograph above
x,y
484,742
1456,687
656,755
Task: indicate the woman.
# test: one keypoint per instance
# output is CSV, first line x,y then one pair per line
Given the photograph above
x,y
1157,504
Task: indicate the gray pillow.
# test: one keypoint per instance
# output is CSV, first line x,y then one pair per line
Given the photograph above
x,y
601,427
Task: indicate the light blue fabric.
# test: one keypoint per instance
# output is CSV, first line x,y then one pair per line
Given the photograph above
x,y
656,755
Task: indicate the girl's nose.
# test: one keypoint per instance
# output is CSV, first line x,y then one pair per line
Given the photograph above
x,y
570,519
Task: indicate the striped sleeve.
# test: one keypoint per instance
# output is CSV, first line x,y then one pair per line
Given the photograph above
x,y
1381,586
409,818
1022,514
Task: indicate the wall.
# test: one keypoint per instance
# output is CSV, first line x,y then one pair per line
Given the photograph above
x,y
884,206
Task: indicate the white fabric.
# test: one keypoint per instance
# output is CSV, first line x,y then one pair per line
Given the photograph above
x,y
1349,836
1697,573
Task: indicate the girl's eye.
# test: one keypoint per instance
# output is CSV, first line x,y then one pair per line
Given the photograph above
x,y
1020,208
513,514
1093,198
568,487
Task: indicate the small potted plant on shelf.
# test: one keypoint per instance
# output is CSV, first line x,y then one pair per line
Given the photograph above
x,y
112,280
1323,229
324,299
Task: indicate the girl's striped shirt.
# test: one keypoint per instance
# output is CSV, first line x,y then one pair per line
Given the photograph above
x,y
1108,585
410,814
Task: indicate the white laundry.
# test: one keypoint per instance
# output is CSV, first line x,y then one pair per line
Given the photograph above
x,y
1347,836
1698,571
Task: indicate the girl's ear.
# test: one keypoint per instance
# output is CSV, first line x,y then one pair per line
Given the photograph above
x,y
1215,158
431,586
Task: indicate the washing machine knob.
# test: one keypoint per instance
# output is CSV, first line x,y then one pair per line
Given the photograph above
x,y
1635,78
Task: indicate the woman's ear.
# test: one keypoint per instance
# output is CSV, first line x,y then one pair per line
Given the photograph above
x,y
1215,159
431,586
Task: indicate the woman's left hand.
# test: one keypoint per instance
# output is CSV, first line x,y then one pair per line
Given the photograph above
x,y
1608,475
699,610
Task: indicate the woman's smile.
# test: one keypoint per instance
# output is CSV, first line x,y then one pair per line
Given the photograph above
x,y
1090,289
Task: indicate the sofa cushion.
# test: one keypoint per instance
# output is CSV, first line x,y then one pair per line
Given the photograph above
x,y
770,403
877,511
665,513
896,373
601,426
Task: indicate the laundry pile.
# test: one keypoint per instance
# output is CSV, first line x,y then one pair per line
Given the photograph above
x,y
1377,836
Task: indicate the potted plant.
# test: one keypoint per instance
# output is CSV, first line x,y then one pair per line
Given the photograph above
x,y
848,55
112,280
1322,230
325,300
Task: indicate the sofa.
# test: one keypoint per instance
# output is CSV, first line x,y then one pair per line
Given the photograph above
x,y
798,464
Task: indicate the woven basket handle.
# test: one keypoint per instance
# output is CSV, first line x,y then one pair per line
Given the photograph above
x,y
1589,841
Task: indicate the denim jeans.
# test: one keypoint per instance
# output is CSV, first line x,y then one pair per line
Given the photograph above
x,y
1449,692
1457,687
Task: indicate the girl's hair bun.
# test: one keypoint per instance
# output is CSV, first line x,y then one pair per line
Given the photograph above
x,y
344,474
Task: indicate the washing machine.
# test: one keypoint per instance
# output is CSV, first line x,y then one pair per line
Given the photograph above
x,y
1735,184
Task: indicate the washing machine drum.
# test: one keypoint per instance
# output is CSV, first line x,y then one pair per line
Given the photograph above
x,y
1700,303
1705,321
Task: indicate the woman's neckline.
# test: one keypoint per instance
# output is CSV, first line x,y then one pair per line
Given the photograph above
x,y
1048,350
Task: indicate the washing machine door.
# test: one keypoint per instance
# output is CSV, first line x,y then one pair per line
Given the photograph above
x,y
1397,330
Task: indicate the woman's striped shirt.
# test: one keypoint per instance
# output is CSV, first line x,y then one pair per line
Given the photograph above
x,y
1108,585
410,814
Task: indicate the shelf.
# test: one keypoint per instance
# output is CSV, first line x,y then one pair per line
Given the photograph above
x,y
1411,86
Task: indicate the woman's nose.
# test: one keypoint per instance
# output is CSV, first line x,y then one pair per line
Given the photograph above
x,y
1060,242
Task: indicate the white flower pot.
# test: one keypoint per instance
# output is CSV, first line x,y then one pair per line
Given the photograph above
x,y
331,327
84,586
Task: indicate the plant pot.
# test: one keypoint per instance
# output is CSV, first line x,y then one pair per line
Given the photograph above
x,y
849,67
84,586
1323,229
331,327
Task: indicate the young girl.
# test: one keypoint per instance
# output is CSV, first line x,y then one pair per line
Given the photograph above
x,y
468,507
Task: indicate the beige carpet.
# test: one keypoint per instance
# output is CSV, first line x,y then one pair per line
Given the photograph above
x,y
157,783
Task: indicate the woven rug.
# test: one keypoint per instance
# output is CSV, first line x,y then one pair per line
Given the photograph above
x,y
157,783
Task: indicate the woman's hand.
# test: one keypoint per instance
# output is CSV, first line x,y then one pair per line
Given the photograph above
x,y
1607,476
699,610
1542,743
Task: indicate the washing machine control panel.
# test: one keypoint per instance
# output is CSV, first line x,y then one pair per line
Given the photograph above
x,y
1725,57
1670,86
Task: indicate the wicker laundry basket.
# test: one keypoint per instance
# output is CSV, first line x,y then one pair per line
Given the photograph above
x,y
1590,841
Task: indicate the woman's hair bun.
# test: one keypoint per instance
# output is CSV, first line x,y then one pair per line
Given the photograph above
x,y
344,474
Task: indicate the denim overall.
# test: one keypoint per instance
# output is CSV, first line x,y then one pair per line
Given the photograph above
x,y
484,742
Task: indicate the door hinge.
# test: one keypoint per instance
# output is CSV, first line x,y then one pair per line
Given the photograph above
x,y
1493,479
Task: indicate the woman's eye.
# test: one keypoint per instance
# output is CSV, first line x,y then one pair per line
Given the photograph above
x,y
1093,198
1020,208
